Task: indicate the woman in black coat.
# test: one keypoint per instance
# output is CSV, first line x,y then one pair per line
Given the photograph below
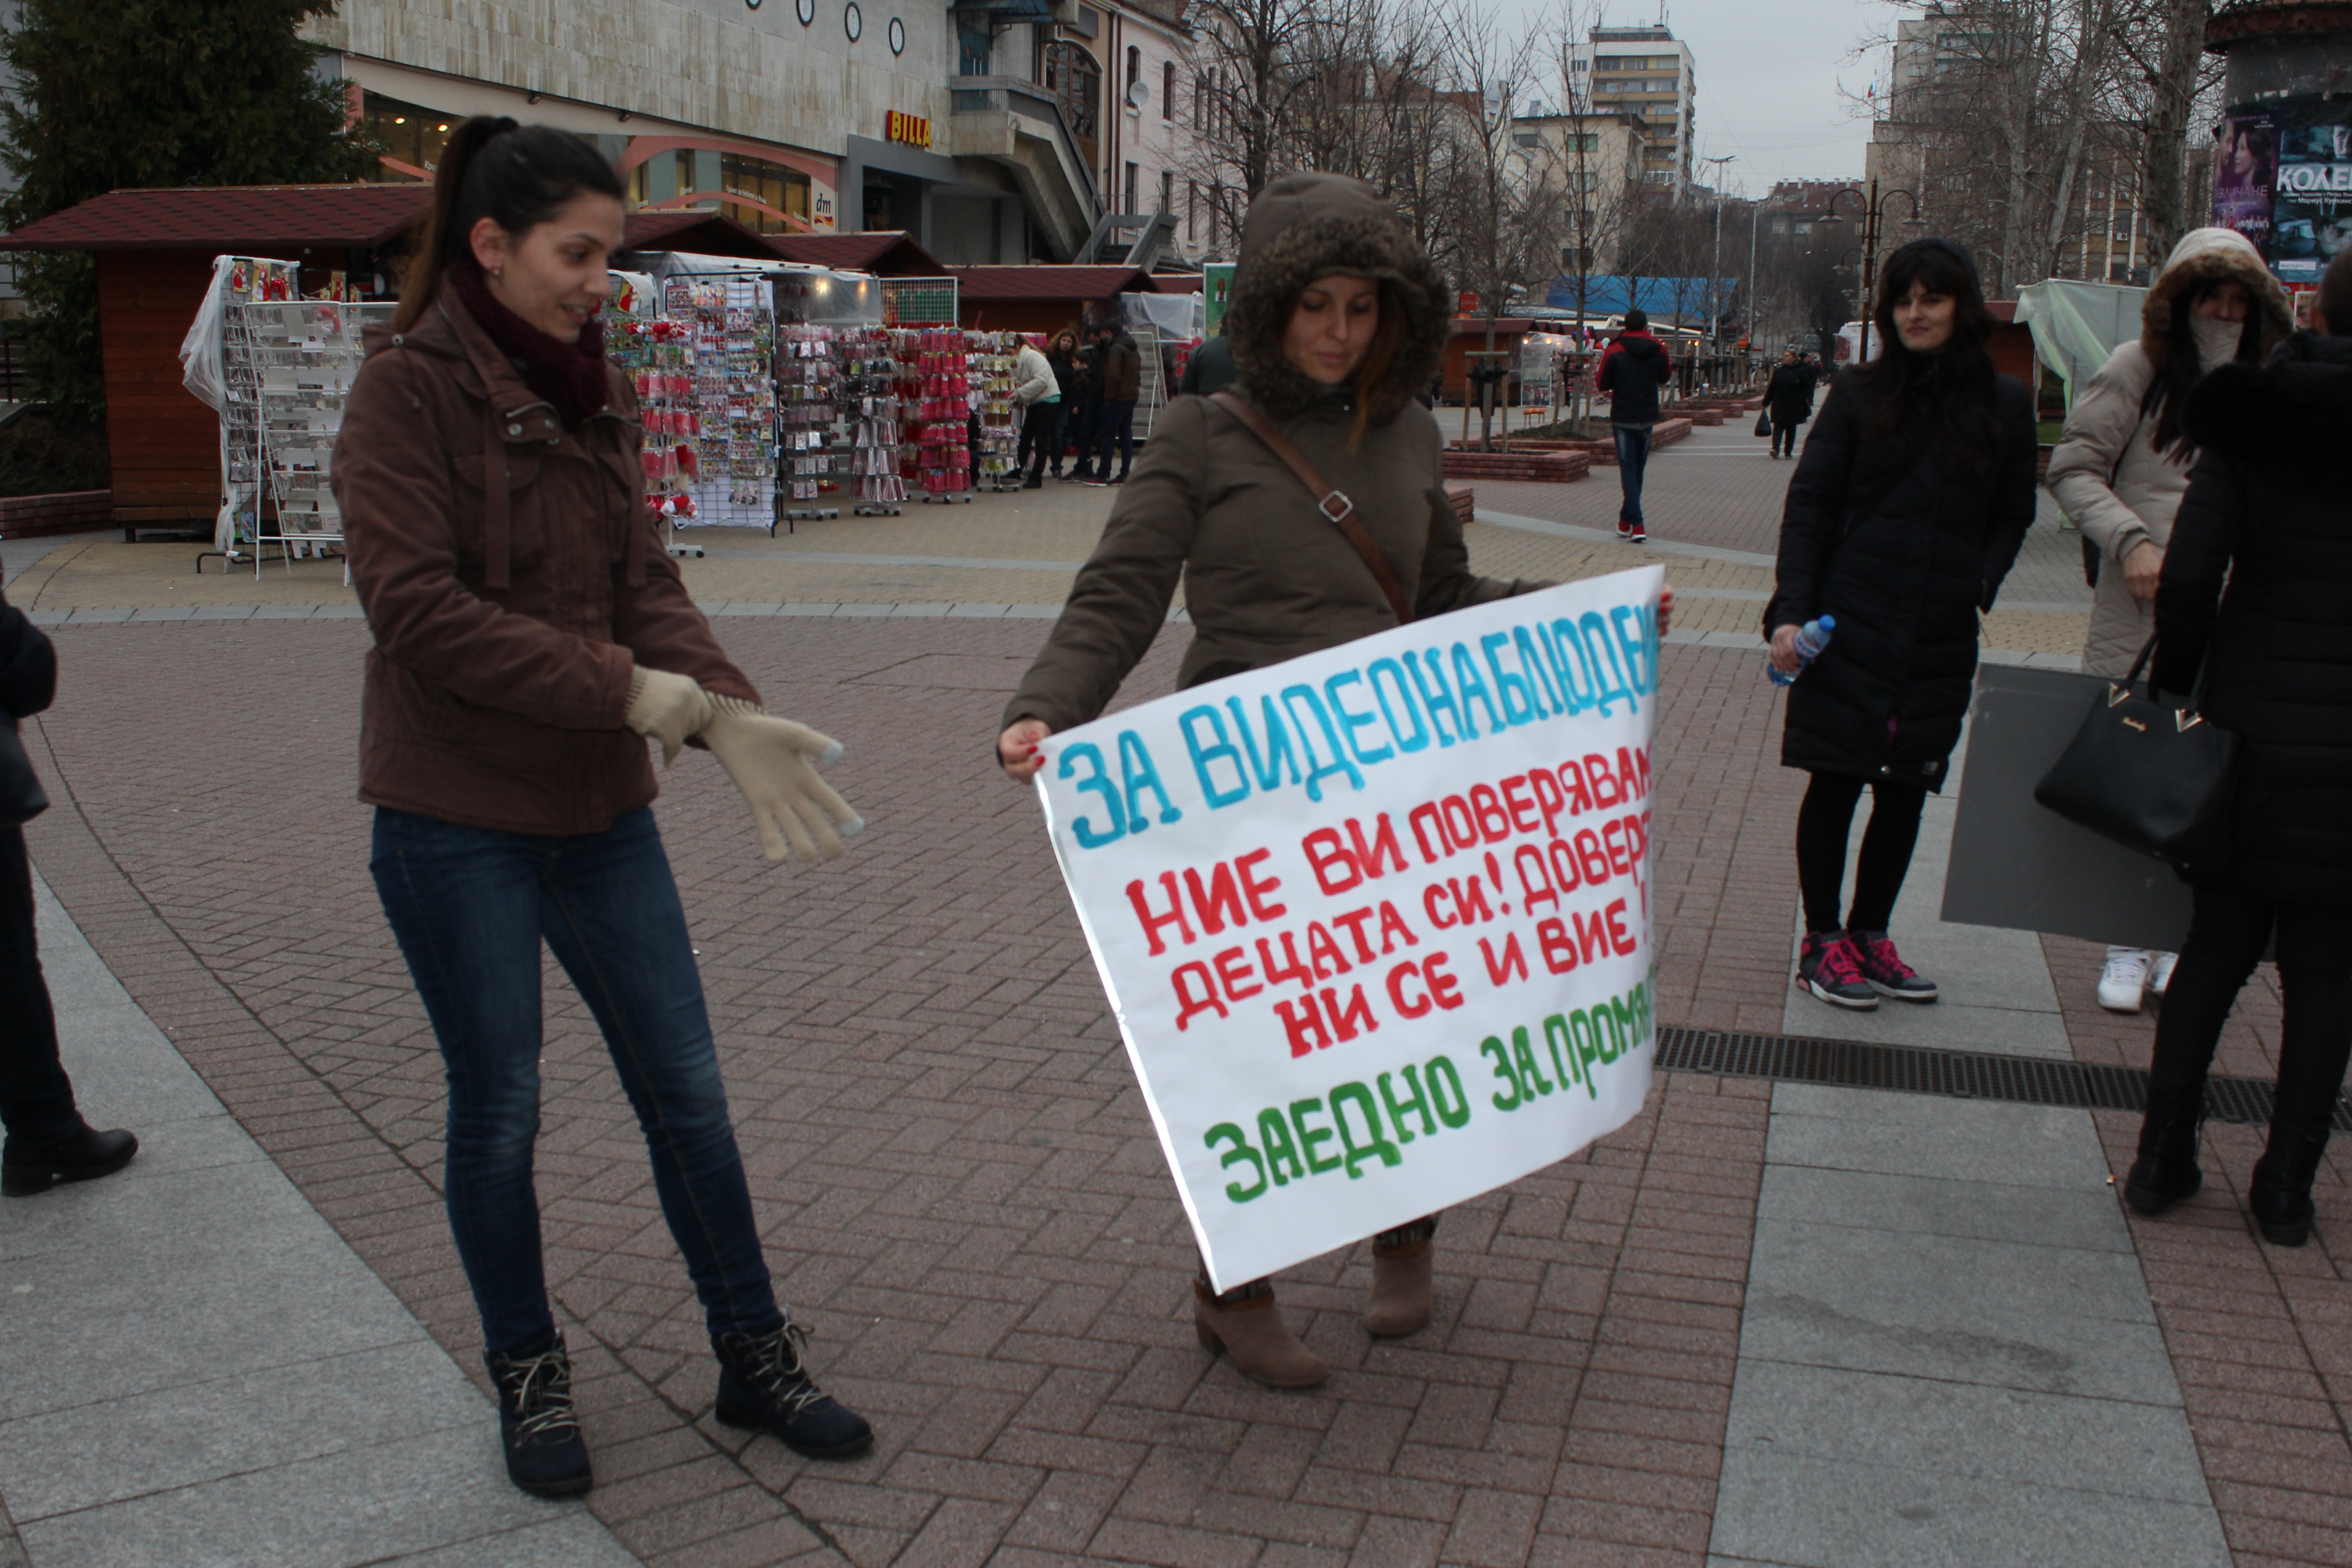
x,y
1903,517
1789,401
47,1141
2266,514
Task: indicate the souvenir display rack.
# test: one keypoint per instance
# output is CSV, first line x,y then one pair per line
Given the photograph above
x,y
729,330
870,358
288,363
996,463
808,388
935,394
658,359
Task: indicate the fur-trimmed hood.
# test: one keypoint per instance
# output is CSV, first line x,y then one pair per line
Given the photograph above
x,y
2285,419
2204,256
1306,227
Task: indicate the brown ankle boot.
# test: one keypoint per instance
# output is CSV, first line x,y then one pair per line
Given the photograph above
x,y
1400,1288
1262,1346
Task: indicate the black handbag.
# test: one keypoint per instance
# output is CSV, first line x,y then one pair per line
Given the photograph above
x,y
2152,778
21,795
1764,422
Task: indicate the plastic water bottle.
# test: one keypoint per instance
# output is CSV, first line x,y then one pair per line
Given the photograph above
x,y
1811,637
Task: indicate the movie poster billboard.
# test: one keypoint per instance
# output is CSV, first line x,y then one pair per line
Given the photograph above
x,y
2311,210
2246,178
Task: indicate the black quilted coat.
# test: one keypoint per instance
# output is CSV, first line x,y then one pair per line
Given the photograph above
x,y
1904,544
2269,509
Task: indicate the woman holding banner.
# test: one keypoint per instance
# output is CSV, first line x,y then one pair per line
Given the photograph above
x,y
1903,517
1337,319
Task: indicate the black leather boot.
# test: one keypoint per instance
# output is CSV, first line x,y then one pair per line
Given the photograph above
x,y
765,1385
86,1157
2280,1197
2166,1172
546,1454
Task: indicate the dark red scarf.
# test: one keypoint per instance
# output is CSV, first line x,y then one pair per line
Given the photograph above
x,y
571,375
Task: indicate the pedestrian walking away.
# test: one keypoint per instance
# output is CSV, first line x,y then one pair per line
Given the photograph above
x,y
531,634
1122,388
1632,370
2263,530
1910,502
1039,393
1337,318
2123,462
1789,402
48,1140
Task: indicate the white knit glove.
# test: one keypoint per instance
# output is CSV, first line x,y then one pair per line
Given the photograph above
x,y
772,761
668,708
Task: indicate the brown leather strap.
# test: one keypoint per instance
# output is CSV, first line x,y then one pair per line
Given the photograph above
x,y
497,536
1329,501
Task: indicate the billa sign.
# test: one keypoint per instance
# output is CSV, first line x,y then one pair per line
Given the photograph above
x,y
910,129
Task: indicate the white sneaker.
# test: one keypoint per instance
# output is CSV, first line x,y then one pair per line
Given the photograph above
x,y
2123,984
2159,973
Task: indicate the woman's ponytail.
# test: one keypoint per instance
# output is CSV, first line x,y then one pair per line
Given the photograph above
x,y
516,176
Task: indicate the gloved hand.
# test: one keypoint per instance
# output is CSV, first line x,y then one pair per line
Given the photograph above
x,y
669,707
771,762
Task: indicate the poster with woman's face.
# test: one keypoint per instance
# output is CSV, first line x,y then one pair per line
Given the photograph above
x,y
2247,173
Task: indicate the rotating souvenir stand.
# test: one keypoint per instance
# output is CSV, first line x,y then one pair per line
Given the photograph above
x,y
996,466
867,398
935,387
287,362
808,377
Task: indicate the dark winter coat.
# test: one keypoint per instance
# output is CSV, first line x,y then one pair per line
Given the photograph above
x,y
1210,370
2266,512
1788,395
1266,576
1904,545
28,664
1122,370
1631,372
1068,374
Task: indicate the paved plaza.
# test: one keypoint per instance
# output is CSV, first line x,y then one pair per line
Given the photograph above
x,y
1769,1323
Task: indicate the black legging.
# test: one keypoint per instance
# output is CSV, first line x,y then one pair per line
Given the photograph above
x,y
37,1099
1823,825
2227,930
1784,438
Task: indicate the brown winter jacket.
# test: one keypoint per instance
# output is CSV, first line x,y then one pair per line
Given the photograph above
x,y
1122,369
1266,578
513,577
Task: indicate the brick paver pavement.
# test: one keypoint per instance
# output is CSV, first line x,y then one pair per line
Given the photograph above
x,y
955,1177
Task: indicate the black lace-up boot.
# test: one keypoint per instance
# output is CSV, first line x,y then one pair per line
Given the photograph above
x,y
546,1455
764,1386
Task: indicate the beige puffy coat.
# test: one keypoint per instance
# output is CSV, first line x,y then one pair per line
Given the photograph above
x,y
2106,472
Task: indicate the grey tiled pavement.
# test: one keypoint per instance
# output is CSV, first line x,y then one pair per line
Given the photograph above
x,y
200,1372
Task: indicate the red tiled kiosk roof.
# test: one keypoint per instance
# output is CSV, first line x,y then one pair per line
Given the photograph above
x,y
291,218
884,252
1072,283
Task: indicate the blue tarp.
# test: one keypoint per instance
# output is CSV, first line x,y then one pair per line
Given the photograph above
x,y
1605,295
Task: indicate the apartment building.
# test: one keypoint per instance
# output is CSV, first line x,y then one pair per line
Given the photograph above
x,y
1648,72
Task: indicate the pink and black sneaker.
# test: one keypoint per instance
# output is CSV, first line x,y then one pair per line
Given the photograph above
x,y
1829,966
1884,968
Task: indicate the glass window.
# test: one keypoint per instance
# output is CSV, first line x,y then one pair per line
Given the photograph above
x,y
411,134
765,194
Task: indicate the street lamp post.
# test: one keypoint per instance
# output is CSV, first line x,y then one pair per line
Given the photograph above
x,y
1873,213
1714,268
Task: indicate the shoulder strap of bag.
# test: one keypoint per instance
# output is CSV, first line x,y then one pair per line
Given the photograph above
x,y
1328,500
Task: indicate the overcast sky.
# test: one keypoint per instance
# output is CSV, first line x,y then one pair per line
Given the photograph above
x,y
1769,78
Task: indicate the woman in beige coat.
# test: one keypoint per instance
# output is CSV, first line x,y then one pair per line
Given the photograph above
x,y
2123,466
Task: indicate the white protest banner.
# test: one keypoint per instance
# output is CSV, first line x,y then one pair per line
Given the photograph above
x,y
1375,921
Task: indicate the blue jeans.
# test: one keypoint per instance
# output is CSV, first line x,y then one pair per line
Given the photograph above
x,y
1116,422
1633,459
470,907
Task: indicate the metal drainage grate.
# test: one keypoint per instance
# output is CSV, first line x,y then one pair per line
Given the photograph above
x,y
1962,1075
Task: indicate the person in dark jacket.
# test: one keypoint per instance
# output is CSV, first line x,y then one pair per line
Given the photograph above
x,y
530,635
1632,370
1062,356
1789,401
1210,370
1086,406
1906,508
2264,530
48,1140
1122,388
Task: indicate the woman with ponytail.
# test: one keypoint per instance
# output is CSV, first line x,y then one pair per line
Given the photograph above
x,y
1904,513
531,634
